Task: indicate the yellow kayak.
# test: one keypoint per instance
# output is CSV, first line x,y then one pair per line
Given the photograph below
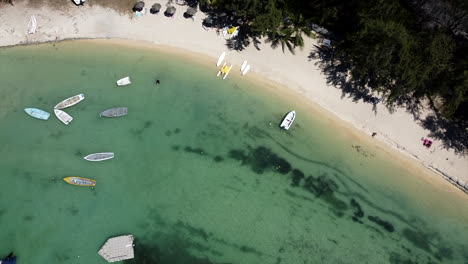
x,y
80,181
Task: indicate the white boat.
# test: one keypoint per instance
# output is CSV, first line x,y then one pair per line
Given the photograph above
x,y
70,101
99,156
118,249
62,116
227,72
37,113
221,58
246,70
124,81
244,64
288,120
115,112
220,69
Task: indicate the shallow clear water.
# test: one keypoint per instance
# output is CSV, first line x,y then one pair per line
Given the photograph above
x,y
199,174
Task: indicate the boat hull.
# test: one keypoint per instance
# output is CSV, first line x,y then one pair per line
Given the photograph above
x,y
227,73
246,70
70,101
99,156
124,81
244,64
288,120
79,181
37,113
115,112
62,116
221,58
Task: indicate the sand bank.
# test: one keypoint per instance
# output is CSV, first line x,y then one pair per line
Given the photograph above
x,y
298,73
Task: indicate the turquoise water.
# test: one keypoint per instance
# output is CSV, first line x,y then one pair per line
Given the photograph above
x,y
199,174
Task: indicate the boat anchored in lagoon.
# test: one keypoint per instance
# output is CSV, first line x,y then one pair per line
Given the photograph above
x,y
70,101
79,181
99,156
288,120
115,112
62,116
124,81
37,113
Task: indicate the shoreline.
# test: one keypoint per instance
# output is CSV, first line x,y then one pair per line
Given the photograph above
x,y
295,74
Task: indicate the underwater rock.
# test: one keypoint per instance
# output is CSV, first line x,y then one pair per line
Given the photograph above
x,y
297,176
386,225
358,213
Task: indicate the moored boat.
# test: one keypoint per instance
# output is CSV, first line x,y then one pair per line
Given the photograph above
x,y
37,113
288,120
80,181
124,81
99,156
115,112
70,101
62,116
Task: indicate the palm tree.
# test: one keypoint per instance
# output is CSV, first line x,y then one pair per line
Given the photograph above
x,y
290,33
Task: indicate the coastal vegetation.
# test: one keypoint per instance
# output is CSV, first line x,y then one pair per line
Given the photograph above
x,y
411,53
407,51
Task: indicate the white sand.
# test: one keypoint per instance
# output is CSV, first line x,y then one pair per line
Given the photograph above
x,y
296,72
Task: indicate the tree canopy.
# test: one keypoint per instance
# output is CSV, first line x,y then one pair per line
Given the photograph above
x,y
406,50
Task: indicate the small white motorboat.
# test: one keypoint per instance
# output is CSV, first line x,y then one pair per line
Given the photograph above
x,y
62,116
246,70
70,101
288,120
99,156
124,81
221,58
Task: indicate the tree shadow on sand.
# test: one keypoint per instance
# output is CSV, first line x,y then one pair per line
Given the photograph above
x,y
453,135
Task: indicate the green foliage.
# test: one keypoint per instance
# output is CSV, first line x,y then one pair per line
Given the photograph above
x,y
402,49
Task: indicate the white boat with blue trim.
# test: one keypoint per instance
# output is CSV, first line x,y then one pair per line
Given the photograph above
x,y
37,113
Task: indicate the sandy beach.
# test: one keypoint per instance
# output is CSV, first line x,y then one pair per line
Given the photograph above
x,y
297,73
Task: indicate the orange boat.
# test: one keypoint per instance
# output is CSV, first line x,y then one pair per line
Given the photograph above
x,y
80,181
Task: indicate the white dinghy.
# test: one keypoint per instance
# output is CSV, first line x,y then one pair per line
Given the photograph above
x,y
62,116
124,81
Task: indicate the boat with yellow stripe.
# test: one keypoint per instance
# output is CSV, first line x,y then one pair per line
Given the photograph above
x,y
224,70
80,181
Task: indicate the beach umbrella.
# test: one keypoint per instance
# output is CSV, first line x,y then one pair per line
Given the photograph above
x,y
155,8
191,11
138,6
170,11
